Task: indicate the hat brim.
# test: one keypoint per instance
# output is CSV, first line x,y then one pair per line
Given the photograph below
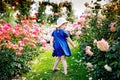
x,y
62,24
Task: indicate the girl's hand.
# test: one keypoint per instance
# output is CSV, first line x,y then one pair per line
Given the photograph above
x,y
52,48
74,46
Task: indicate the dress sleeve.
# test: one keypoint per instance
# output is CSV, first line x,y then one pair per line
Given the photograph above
x,y
65,34
52,34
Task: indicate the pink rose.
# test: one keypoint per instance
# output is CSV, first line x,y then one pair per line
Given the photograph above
x,y
82,20
6,45
32,45
26,40
78,33
43,42
103,45
20,49
87,48
14,47
18,53
88,52
89,65
21,43
112,27
56,14
75,26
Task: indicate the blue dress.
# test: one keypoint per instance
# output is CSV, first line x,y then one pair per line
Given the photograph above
x,y
60,44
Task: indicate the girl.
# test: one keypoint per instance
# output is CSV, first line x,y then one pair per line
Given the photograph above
x,y
60,45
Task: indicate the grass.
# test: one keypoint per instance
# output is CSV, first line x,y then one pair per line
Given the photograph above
x,y
41,68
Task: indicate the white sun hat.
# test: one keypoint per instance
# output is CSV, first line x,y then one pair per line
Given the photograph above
x,y
60,21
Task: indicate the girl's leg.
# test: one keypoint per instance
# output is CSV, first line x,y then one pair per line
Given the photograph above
x,y
63,59
56,63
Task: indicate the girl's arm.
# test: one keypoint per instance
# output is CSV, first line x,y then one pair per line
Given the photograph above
x,y
71,42
51,42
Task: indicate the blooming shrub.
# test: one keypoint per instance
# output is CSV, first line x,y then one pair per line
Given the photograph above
x,y
101,37
17,47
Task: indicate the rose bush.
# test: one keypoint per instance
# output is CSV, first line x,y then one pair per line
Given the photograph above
x,y
17,47
101,37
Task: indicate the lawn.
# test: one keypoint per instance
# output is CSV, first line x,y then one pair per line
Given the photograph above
x,y
41,68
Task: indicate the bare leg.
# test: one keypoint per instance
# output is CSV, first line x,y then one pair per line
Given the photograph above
x,y
63,59
56,63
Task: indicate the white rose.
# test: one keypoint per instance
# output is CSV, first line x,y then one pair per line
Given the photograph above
x,y
108,68
89,65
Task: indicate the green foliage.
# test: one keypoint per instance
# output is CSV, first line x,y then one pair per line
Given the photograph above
x,y
41,13
12,65
24,8
2,7
101,58
100,28
8,7
7,15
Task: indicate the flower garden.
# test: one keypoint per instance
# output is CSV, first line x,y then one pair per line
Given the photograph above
x,y
25,53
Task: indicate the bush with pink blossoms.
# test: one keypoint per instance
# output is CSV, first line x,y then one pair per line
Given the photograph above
x,y
76,28
103,38
17,47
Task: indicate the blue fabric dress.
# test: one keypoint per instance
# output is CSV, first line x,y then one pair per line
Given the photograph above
x,y
60,43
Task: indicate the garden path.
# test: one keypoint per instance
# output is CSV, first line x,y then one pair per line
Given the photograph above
x,y
41,68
